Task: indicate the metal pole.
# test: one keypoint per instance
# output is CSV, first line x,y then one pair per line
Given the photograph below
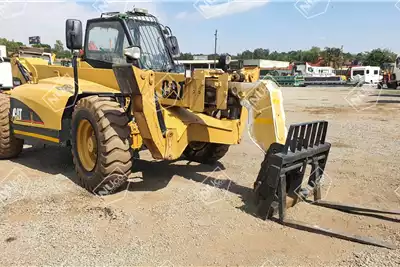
x,y
215,49
341,57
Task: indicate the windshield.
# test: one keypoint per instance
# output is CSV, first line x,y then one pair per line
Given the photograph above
x,y
358,72
147,34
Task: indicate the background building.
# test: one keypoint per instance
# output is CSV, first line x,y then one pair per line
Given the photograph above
x,y
265,63
209,64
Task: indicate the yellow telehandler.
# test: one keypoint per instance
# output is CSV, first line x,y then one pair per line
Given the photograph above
x,y
125,93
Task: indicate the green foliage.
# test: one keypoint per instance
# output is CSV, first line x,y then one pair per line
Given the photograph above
x,y
42,46
58,47
378,56
64,54
59,50
329,56
12,46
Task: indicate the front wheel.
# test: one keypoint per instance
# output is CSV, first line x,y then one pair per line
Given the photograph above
x,y
101,144
10,146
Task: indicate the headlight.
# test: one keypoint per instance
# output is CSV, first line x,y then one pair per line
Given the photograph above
x,y
224,60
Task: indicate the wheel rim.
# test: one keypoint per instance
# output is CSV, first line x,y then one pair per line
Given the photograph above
x,y
86,145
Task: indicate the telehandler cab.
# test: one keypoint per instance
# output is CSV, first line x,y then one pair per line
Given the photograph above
x,y
125,93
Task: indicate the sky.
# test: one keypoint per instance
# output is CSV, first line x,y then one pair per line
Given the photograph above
x,y
281,25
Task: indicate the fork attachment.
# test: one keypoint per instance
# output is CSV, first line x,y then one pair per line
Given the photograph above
x,y
279,184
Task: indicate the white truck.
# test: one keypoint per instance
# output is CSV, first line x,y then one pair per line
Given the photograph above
x,y
365,74
6,79
3,51
308,70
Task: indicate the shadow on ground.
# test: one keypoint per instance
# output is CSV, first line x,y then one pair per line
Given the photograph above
x,y
388,95
155,175
385,101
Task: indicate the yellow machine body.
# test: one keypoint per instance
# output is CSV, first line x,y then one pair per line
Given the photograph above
x,y
49,93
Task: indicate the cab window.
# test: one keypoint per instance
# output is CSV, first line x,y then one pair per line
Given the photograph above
x,y
358,72
106,42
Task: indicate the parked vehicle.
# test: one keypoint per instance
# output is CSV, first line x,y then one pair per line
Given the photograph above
x,y
365,74
6,79
390,75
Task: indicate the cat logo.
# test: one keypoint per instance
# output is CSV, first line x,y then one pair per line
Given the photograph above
x,y
17,114
66,88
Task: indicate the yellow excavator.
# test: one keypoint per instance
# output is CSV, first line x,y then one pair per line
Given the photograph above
x,y
124,93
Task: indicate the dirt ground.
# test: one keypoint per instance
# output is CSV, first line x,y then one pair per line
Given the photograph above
x,y
174,214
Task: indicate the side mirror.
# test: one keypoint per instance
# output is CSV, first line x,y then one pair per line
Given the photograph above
x,y
73,34
173,46
132,52
188,74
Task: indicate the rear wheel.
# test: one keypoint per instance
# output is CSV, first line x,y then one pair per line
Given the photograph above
x,y
206,153
10,146
101,144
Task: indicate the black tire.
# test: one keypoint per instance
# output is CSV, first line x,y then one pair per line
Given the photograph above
x,y
206,153
393,85
10,146
114,152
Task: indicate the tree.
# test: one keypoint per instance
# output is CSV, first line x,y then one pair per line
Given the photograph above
x,y
58,47
246,55
11,46
274,55
378,56
261,53
329,56
64,54
185,56
211,56
42,46
311,55
332,56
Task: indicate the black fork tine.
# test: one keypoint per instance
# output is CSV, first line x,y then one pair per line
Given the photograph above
x,y
308,135
294,140
288,139
301,137
319,134
323,138
314,131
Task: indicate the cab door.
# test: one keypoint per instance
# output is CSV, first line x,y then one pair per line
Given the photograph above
x,y
104,43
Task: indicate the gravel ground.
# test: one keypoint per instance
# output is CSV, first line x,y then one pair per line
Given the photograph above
x,y
171,214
